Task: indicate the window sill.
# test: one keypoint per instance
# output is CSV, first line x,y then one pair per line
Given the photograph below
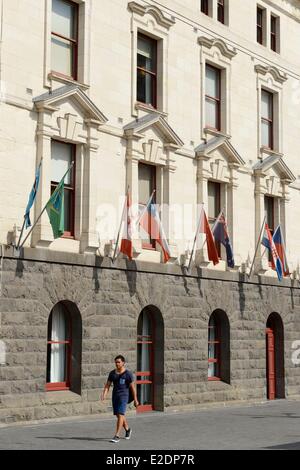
x,y
66,80
268,151
148,108
216,133
214,379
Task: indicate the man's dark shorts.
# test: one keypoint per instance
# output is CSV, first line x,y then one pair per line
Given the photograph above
x,y
119,406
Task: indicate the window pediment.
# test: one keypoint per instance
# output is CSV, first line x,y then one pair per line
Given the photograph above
x,y
275,172
159,16
276,74
227,51
218,148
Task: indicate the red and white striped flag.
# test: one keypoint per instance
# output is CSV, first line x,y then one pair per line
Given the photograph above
x,y
126,242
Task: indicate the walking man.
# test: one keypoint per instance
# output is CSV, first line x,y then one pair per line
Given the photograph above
x,y
123,381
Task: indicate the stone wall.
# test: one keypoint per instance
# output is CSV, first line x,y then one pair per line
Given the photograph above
x,y
110,301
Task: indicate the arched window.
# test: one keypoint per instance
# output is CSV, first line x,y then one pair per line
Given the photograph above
x,y
275,357
219,347
64,348
150,360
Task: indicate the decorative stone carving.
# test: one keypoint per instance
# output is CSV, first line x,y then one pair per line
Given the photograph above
x,y
161,18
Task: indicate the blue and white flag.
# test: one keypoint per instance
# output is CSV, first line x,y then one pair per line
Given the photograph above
x,y
32,196
268,242
220,233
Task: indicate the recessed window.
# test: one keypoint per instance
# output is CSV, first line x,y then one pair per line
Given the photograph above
x,y
221,11
260,25
269,213
213,98
267,119
147,70
214,206
219,347
64,38
62,155
274,33
147,184
205,7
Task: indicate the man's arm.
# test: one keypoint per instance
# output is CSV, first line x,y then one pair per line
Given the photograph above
x,y
133,390
105,390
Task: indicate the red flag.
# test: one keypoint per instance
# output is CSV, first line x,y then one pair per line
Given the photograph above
x,y
126,242
211,247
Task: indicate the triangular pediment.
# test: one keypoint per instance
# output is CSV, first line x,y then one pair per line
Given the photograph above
x,y
220,147
157,124
274,165
70,94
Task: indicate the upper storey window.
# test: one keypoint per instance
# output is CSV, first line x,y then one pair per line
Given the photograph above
x,y
205,7
267,119
64,38
259,26
213,97
274,33
147,70
221,11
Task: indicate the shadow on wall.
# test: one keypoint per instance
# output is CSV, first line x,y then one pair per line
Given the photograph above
x,y
2,353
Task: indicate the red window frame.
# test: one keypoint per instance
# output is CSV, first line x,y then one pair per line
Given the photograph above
x,y
274,23
73,41
221,11
217,342
152,244
259,25
204,7
146,377
213,217
71,189
269,120
215,99
151,73
60,386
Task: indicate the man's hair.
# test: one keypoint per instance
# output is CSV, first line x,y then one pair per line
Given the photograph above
x,y
120,357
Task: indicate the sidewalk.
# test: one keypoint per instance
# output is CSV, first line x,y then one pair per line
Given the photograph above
x,y
272,425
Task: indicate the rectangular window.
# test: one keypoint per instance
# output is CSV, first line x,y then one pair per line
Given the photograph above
x,y
269,212
147,70
259,25
267,118
62,155
213,98
147,184
221,11
274,33
214,206
64,38
204,7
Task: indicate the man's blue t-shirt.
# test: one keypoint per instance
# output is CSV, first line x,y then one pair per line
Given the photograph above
x,y
121,383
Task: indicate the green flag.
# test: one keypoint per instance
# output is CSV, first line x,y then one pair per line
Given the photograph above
x,y
55,210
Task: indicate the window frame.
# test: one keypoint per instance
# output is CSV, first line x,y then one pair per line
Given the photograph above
x,y
204,7
212,220
66,385
221,11
71,188
274,33
154,77
152,244
269,121
217,359
260,27
146,377
217,100
72,41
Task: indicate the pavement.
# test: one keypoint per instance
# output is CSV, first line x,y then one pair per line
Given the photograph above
x,y
272,425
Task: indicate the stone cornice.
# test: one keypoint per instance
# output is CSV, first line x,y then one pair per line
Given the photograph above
x,y
227,51
280,77
159,16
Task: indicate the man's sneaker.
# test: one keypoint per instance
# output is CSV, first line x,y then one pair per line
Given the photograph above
x,y
115,439
128,433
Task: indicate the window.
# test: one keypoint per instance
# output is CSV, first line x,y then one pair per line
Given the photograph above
x,y
214,206
145,353
274,33
62,155
269,212
221,11
204,6
147,184
147,70
267,133
259,25
213,98
219,347
64,38
59,349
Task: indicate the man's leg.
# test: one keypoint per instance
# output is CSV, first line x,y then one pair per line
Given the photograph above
x,y
125,424
119,424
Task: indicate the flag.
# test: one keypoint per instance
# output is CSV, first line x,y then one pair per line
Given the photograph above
x,y
280,247
211,247
55,210
126,242
151,223
32,196
220,233
268,242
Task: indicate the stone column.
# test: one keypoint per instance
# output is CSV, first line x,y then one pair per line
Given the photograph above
x,y
259,262
201,255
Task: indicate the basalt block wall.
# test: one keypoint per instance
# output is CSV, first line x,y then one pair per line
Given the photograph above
x,y
110,300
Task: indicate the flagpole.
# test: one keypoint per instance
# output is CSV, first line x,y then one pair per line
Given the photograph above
x,y
259,240
195,240
119,232
23,226
30,231
146,207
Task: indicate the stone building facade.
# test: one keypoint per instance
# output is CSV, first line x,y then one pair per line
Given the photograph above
x,y
202,95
